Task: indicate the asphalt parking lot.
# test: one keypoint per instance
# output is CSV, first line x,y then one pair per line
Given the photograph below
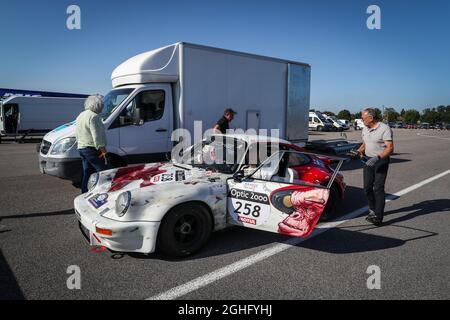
x,y
39,240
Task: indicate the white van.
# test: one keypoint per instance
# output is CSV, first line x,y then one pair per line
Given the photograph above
x,y
337,125
37,115
318,122
359,124
171,87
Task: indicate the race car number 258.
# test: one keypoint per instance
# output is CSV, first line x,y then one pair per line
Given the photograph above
x,y
248,207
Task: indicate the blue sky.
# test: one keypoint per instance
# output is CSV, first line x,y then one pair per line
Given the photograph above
x,y
406,64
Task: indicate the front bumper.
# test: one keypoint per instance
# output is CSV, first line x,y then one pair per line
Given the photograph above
x,y
70,169
135,236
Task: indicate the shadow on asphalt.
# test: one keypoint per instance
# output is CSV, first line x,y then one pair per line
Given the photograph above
x,y
18,141
37,215
348,239
9,288
419,209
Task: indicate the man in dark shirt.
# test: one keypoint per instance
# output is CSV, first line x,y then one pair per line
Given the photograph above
x,y
224,123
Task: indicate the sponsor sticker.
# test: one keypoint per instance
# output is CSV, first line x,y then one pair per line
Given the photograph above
x,y
171,176
248,207
98,200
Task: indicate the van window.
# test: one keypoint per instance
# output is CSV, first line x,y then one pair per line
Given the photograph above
x,y
112,100
310,119
151,105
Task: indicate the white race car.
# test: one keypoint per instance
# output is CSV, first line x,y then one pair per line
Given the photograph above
x,y
174,207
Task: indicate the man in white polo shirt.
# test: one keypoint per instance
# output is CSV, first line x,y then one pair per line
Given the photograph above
x,y
377,147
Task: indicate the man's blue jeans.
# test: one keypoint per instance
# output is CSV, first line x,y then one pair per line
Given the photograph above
x,y
91,163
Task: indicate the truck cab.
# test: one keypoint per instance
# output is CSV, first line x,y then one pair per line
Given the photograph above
x,y
130,113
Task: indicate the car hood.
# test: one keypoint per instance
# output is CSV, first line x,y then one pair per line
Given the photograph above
x,y
64,131
154,176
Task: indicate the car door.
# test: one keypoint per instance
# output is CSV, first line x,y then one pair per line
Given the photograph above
x,y
270,200
150,137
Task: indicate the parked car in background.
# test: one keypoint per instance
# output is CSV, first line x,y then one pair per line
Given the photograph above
x,y
398,125
337,125
358,124
318,122
439,125
346,122
424,125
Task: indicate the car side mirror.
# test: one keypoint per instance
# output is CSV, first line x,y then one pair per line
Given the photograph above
x,y
137,119
239,176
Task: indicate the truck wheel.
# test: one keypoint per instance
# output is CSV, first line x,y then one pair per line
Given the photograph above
x,y
116,161
184,230
330,209
319,128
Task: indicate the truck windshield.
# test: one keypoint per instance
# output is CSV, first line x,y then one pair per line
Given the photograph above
x,y
112,100
218,154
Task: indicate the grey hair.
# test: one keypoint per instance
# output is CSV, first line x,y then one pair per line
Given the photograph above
x,y
370,112
94,103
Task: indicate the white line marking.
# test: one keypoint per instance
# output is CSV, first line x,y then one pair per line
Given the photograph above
x,y
428,136
223,272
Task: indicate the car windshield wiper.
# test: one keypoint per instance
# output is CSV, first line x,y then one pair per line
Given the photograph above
x,y
178,166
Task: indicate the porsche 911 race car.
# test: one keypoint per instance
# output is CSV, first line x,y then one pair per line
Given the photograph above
x,y
173,207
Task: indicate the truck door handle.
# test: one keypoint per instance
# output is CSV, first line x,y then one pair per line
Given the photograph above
x,y
161,130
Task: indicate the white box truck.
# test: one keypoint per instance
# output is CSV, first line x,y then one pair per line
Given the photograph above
x,y
36,115
168,88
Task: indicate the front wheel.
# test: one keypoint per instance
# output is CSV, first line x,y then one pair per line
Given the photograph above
x,y
184,230
319,128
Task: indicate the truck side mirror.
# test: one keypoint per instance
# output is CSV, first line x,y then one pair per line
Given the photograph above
x,y
137,120
124,120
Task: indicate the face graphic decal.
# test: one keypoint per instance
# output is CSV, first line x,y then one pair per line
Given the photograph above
x,y
304,206
126,175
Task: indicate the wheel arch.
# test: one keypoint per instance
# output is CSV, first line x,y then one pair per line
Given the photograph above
x,y
200,203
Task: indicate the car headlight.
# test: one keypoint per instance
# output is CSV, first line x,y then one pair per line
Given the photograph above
x,y
63,145
93,180
123,203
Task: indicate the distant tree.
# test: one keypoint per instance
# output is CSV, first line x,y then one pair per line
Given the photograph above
x,y
402,113
390,115
378,114
412,116
344,114
430,115
356,115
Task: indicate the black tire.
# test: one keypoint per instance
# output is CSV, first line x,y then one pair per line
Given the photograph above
x,y
184,230
115,161
319,128
330,210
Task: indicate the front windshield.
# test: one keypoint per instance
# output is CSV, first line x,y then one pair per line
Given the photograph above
x,y
112,100
217,153
321,117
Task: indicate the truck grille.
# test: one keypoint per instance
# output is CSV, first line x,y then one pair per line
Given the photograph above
x,y
45,146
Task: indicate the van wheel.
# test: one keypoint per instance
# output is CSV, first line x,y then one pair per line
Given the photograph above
x,y
184,230
319,128
330,209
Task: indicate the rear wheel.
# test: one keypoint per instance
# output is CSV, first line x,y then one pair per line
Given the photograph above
x,y
319,128
330,209
184,230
